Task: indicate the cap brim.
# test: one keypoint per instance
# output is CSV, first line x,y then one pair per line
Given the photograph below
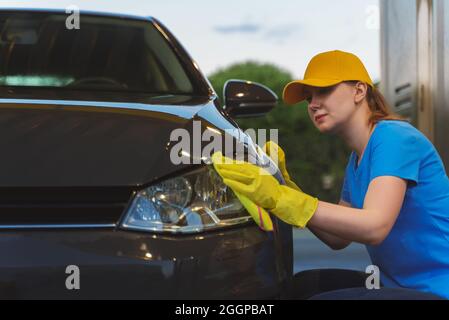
x,y
294,91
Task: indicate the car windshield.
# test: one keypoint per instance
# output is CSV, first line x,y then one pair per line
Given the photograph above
x,y
105,54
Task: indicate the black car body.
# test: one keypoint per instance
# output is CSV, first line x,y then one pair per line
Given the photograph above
x,y
78,148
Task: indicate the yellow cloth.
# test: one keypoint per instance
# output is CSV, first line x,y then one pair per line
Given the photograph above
x,y
290,205
259,214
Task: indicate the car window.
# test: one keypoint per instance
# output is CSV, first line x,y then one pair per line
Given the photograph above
x,y
106,53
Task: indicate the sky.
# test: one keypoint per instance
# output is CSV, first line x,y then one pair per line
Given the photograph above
x,y
287,33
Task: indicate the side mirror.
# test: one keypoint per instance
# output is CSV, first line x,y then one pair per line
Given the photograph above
x,y
248,99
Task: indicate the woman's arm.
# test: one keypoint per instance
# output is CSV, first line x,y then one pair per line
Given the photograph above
x,y
370,225
335,243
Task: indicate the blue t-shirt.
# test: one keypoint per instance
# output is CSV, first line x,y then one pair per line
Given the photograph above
x,y
415,254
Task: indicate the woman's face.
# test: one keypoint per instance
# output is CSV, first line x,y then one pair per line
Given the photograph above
x,y
331,107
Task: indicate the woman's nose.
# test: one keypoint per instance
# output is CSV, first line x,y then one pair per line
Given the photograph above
x,y
314,104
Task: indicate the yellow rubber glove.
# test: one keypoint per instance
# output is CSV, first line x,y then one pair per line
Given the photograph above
x,y
259,214
272,150
291,206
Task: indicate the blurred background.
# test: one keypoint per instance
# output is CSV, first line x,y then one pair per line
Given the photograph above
x,y
271,42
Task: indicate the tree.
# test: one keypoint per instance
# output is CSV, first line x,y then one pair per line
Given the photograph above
x,y
316,162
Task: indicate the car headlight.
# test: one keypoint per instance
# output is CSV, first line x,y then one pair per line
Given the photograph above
x,y
195,202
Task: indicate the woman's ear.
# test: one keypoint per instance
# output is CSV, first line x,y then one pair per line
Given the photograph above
x,y
361,90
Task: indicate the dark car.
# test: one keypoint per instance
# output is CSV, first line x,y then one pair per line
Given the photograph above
x,y
91,205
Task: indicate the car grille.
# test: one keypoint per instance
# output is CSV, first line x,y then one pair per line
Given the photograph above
x,y
28,207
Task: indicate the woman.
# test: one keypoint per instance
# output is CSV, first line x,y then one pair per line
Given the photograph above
x,y
395,197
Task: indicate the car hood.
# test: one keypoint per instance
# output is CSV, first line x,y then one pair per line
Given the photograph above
x,y
60,143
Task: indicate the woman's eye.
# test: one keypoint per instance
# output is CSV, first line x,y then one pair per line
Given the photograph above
x,y
318,92
308,96
326,90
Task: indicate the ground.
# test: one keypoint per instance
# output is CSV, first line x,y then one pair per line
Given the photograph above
x,y
311,253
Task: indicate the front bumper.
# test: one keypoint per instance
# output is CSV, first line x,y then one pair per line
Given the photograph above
x,y
237,263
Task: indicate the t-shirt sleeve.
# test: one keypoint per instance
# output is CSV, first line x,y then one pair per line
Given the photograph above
x,y
396,153
345,195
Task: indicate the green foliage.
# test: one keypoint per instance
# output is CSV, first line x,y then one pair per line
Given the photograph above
x,y
310,155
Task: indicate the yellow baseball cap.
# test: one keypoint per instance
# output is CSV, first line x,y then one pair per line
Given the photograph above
x,y
327,69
